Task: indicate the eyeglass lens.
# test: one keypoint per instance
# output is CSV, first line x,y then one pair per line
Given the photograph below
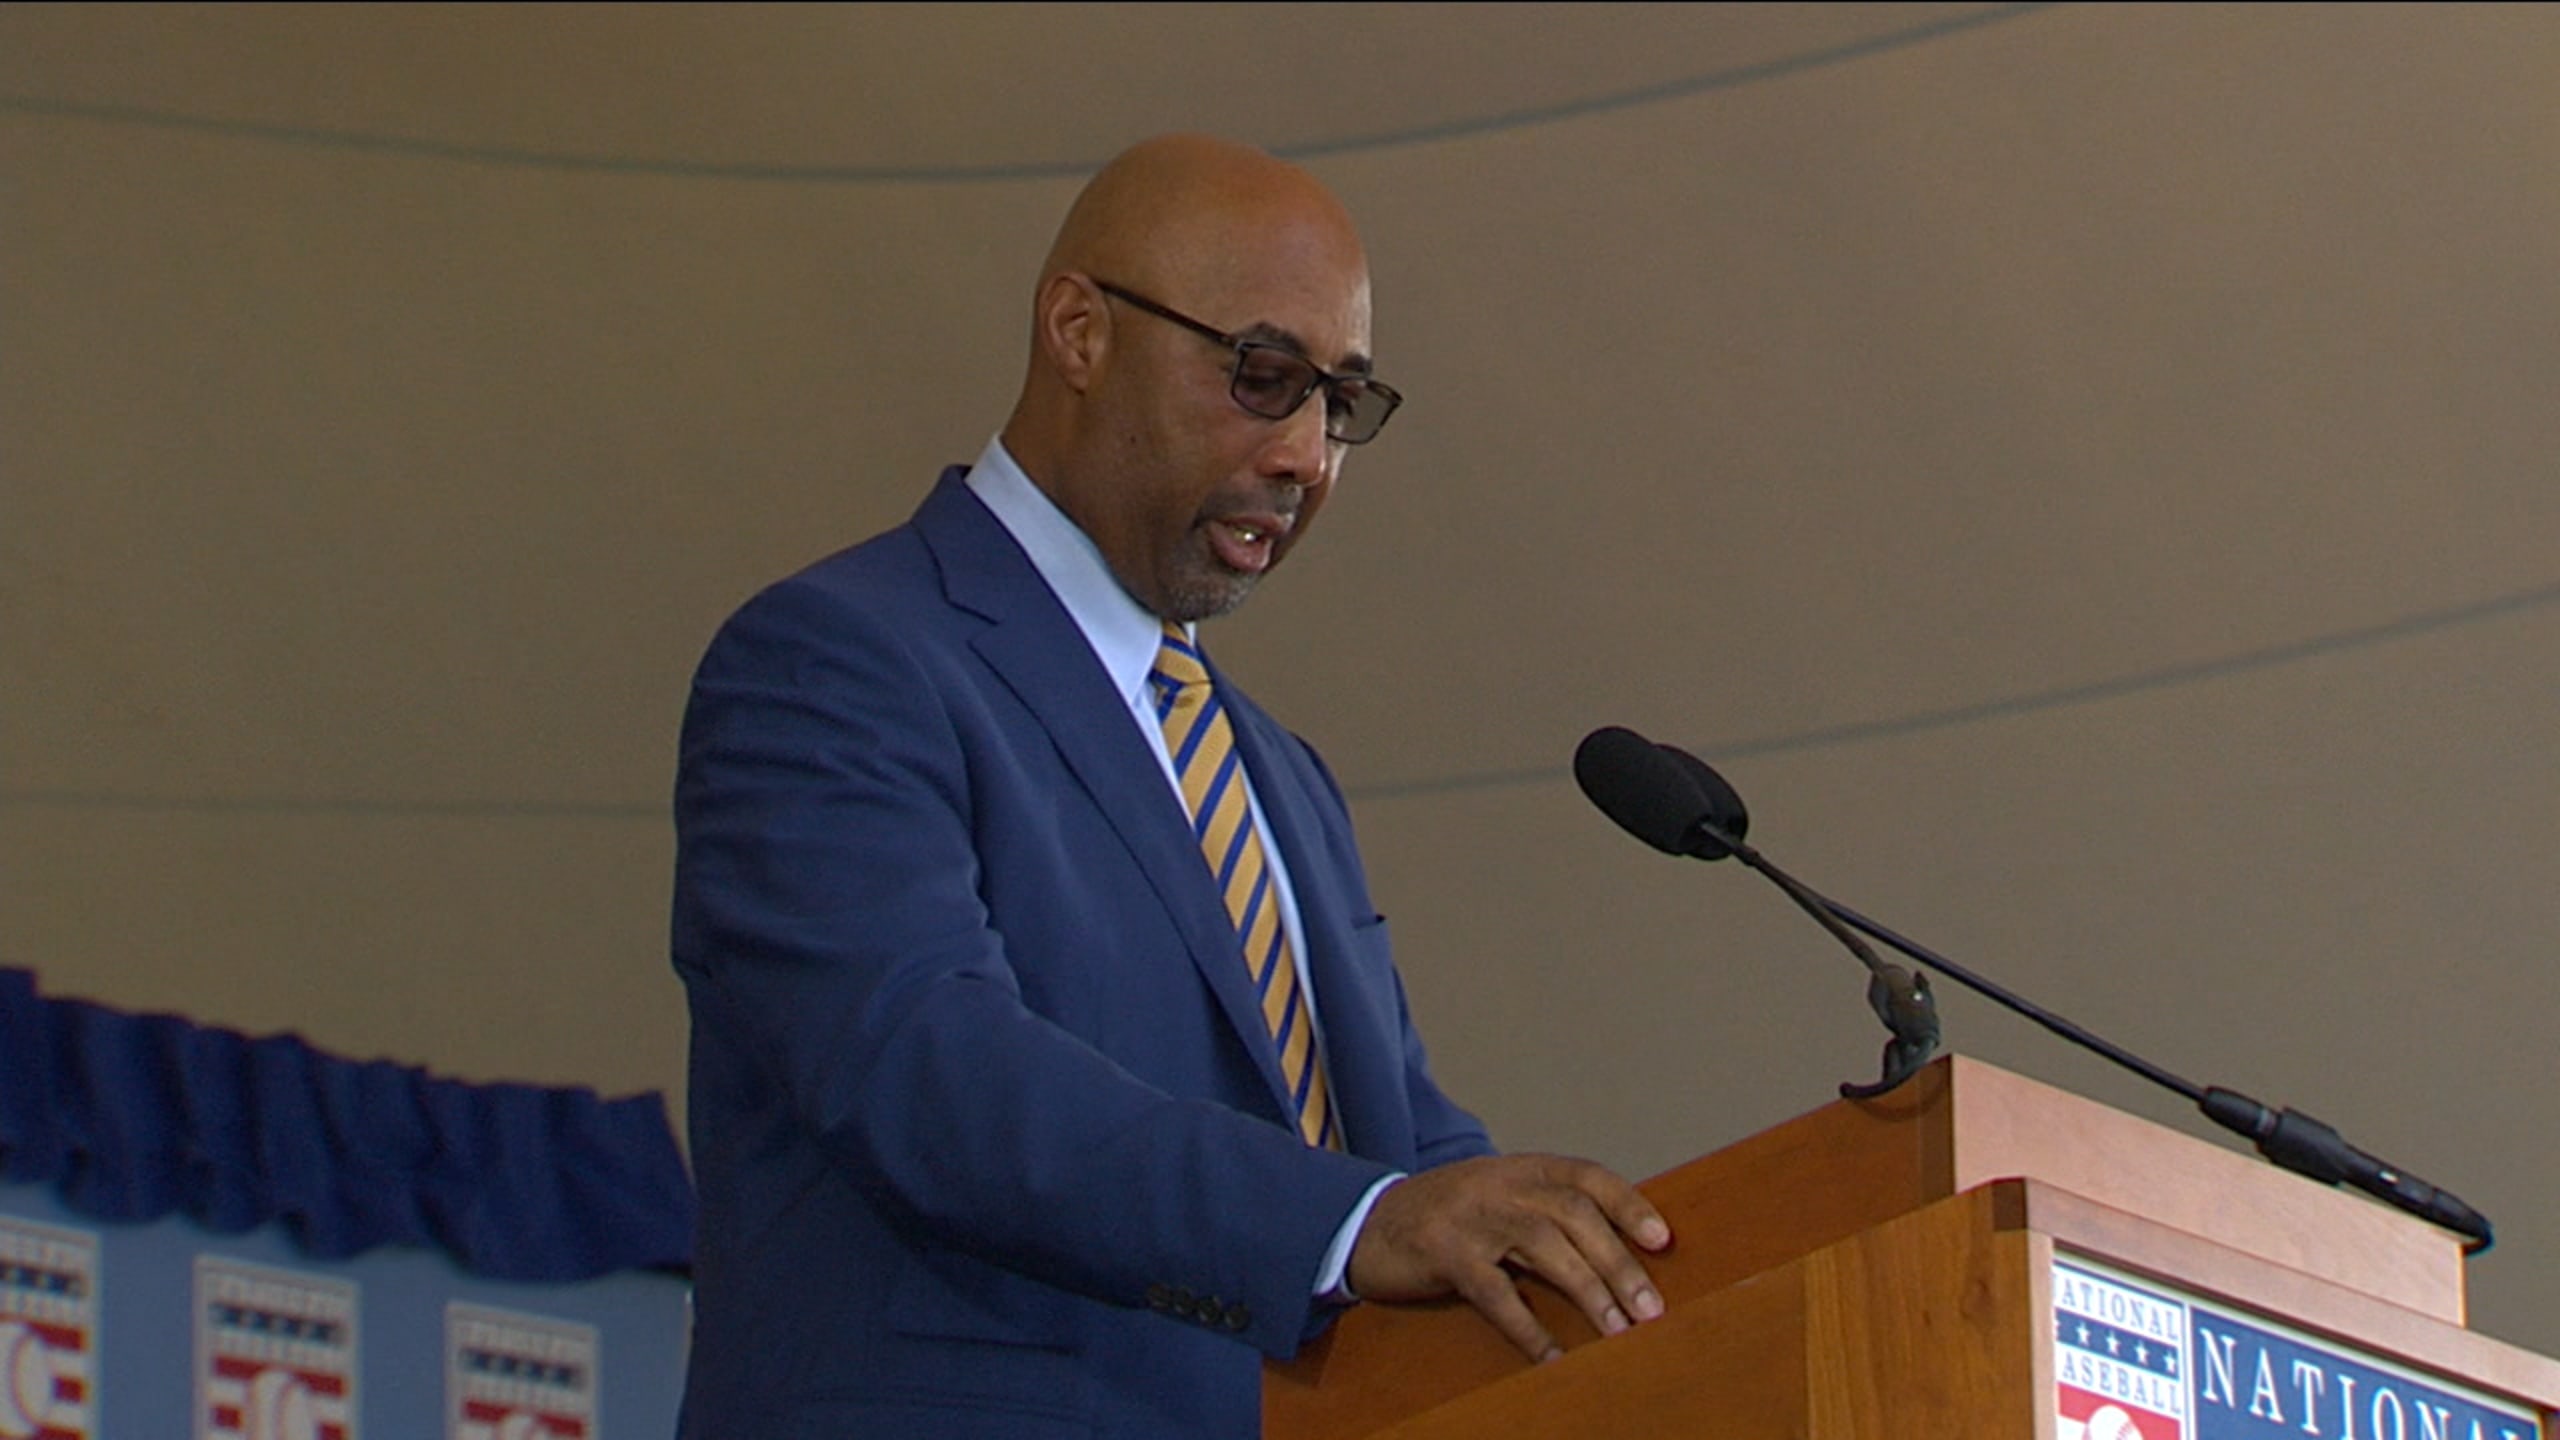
x,y
1273,382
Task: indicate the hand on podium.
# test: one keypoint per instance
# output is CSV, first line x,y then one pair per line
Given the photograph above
x,y
1467,1229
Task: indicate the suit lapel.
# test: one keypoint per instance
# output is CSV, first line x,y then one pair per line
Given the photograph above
x,y
1034,647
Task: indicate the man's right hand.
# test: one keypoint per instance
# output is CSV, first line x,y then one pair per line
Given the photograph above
x,y
1464,1229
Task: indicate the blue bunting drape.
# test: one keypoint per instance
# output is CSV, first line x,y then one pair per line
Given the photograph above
x,y
133,1117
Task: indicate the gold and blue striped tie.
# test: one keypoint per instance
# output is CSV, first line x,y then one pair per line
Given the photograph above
x,y
1204,759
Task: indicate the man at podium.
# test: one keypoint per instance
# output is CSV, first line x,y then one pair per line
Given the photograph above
x,y
1050,1067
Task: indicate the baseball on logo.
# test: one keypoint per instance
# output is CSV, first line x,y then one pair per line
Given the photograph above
x,y
26,1381
281,1408
2110,1423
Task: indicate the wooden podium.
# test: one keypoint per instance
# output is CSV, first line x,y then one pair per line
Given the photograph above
x,y
1921,1264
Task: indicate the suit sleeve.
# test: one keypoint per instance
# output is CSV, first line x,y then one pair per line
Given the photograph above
x,y
829,921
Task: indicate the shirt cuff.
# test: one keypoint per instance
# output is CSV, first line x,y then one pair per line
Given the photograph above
x,y
1333,1285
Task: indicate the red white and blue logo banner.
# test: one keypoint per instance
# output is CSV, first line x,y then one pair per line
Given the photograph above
x,y
275,1353
2135,1360
511,1376
48,1332
2119,1360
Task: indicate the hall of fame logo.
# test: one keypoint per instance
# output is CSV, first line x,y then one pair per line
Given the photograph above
x,y
510,1376
2119,1355
2135,1360
275,1354
48,1332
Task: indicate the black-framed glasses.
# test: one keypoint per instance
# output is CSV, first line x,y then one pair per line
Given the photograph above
x,y
1272,381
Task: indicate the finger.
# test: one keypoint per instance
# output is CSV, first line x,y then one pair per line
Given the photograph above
x,y
1635,1217
1592,1264
1597,1236
1494,1295
1625,1205
1557,1255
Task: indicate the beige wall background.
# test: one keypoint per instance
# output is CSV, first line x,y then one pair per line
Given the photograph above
x,y
2084,472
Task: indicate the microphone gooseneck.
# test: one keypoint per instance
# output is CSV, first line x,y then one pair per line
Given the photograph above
x,y
1899,996
1677,803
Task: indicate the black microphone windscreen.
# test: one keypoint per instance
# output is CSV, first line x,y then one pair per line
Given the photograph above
x,y
1724,808
1650,794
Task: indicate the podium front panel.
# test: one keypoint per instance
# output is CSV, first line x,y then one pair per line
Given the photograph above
x,y
2136,1359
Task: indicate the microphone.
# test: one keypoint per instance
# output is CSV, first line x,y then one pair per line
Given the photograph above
x,y
1720,830
1900,997
1678,804
1655,798
1681,816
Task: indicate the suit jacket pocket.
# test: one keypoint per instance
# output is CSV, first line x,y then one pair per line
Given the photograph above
x,y
966,1334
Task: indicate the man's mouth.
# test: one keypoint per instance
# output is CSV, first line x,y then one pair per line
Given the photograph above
x,y
1247,543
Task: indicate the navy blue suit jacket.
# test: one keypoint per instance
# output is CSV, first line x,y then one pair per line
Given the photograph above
x,y
986,1126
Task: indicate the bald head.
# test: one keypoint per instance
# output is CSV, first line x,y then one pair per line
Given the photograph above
x,y
1129,418
1195,209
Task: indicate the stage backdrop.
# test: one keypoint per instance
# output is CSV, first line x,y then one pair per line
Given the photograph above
x,y
2085,472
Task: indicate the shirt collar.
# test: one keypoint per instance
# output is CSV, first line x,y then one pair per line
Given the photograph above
x,y
1123,634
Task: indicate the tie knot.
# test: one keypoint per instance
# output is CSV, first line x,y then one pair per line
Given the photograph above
x,y
1178,663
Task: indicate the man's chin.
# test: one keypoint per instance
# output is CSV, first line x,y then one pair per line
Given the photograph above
x,y
1206,597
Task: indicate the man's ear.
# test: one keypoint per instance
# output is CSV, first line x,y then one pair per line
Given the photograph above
x,y
1072,329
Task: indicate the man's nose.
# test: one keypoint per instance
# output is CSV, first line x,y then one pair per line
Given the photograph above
x,y
1299,451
